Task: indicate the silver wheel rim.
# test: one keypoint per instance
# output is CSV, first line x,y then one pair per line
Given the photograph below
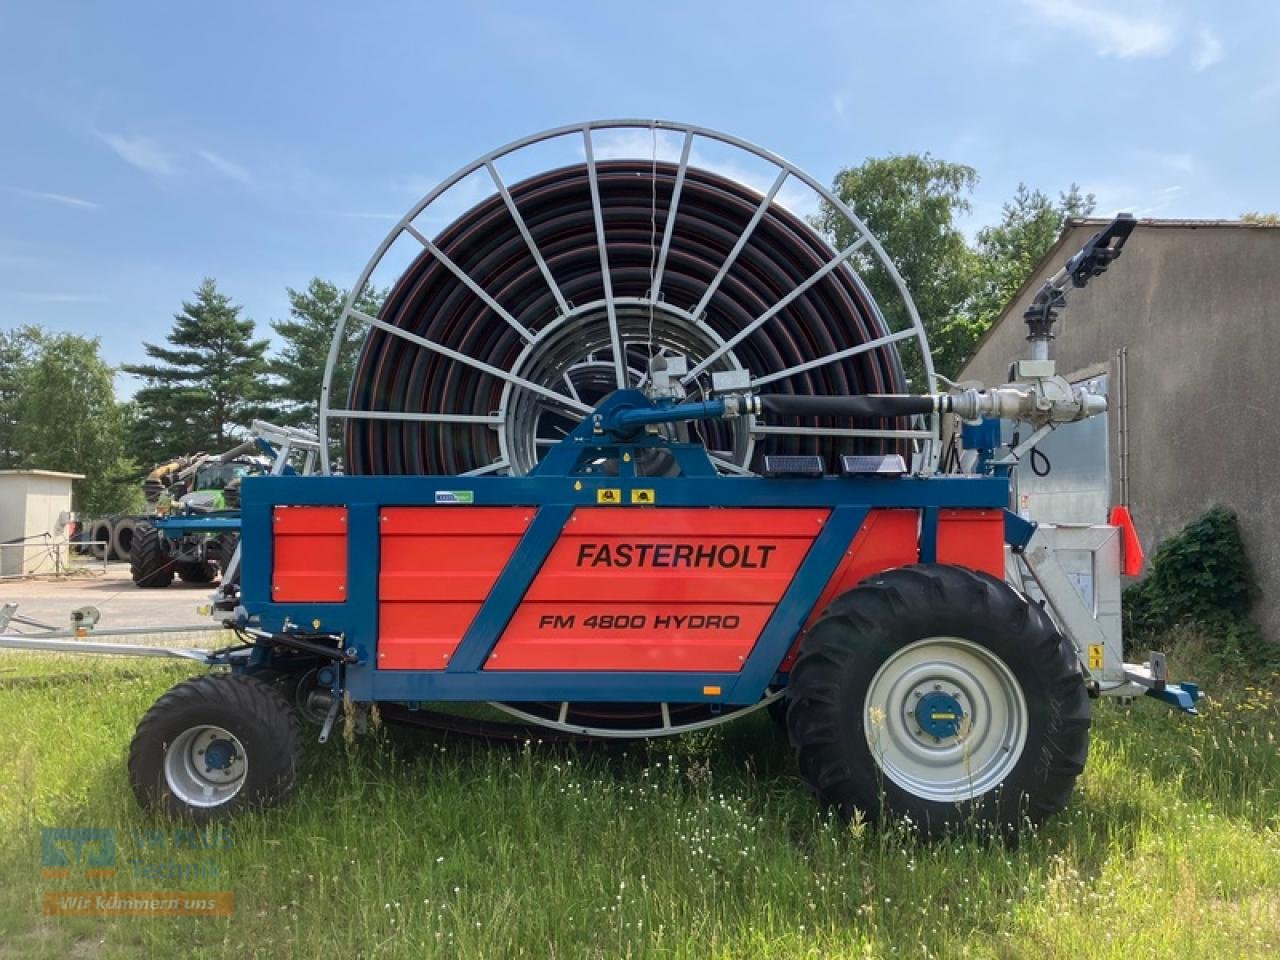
x,y
205,766
987,735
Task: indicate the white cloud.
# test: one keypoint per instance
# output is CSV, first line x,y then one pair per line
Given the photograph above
x,y
1268,91
1178,162
414,185
1158,201
1206,50
62,297
61,198
839,105
1137,31
1132,195
228,168
144,153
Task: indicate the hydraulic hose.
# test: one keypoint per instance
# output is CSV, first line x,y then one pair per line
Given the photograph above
x,y
861,407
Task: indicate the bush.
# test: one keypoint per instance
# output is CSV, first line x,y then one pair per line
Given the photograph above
x,y
1201,577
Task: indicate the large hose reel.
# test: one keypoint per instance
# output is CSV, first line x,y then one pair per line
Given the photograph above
x,y
515,319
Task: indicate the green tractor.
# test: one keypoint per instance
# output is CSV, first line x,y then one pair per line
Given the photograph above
x,y
196,528
194,533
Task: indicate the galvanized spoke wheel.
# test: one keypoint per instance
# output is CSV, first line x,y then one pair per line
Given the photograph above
x,y
941,696
548,273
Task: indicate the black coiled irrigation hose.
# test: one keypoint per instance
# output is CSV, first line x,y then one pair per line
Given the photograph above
x,y
429,300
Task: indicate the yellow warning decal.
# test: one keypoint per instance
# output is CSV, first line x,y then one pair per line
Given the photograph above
x,y
643,495
609,495
1095,656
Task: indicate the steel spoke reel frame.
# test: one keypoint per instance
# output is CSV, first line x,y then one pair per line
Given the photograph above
x,y
546,295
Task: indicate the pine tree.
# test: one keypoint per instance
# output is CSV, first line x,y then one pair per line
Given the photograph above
x,y
306,337
1010,251
206,386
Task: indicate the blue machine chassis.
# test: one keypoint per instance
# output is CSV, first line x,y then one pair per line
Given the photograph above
x,y
555,497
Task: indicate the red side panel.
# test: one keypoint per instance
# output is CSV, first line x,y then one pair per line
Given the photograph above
x,y
632,636
973,539
310,545
657,589
437,566
421,636
887,539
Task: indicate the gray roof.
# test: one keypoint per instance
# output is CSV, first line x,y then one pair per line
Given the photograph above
x,y
41,473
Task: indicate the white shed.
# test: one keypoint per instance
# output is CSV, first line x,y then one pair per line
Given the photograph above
x,y
32,505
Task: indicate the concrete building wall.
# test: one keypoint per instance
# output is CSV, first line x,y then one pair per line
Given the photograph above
x,y
1197,307
31,503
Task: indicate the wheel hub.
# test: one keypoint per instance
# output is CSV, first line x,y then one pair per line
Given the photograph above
x,y
939,715
575,354
205,766
219,755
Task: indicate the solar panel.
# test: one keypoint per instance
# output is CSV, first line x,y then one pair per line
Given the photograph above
x,y
888,465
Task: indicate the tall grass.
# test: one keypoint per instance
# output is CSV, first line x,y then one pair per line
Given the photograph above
x,y
411,845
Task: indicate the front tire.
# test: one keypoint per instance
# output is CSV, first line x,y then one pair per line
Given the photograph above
x,y
149,562
941,695
213,746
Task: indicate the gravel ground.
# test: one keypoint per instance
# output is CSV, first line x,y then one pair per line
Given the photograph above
x,y
113,593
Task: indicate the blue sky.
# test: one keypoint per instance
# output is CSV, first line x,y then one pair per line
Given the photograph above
x,y
146,145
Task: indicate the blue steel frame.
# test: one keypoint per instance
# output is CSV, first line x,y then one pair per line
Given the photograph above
x,y
175,528
569,477
849,498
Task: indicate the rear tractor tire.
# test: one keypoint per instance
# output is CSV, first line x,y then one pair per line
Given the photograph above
x,y
939,695
213,746
149,561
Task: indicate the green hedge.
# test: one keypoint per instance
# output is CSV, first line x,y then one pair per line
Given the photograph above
x,y
1201,577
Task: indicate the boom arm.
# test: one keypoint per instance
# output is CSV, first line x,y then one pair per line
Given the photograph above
x,y
1090,261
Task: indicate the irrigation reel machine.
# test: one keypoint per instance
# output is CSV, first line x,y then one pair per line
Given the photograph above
x,y
630,450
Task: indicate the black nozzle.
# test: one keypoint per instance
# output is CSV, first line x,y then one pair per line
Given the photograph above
x,y
1091,261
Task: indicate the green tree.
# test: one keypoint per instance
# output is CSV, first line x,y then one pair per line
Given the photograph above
x,y
910,204
68,419
1010,251
17,349
306,336
209,383
1261,219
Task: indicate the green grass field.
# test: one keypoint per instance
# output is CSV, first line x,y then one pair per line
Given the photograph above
x,y
408,845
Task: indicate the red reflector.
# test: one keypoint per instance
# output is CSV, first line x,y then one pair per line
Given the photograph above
x,y
1134,557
